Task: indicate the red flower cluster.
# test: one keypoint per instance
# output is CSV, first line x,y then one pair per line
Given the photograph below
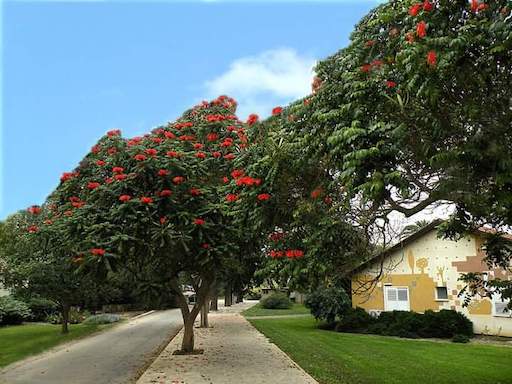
x,y
276,254
140,157
236,173
218,117
165,193
277,111
231,197
201,155
216,154
390,84
248,181
100,163
163,172
316,193
92,185
294,253
229,156
421,29
198,146
178,179
195,192
146,200
432,58
252,119
118,169
199,221
124,198
187,124
212,136
169,135
68,175
205,245
151,152
33,229
173,154
427,6
98,251
114,132
276,236
476,6
263,196
95,148
187,138
34,210
228,142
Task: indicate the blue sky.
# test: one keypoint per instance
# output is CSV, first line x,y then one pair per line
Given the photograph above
x,y
73,70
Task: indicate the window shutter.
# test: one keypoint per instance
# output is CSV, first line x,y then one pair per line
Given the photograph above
x,y
500,308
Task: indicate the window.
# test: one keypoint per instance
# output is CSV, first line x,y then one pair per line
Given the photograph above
x,y
441,293
396,298
499,307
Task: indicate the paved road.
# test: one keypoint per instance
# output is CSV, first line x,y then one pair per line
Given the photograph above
x,y
112,357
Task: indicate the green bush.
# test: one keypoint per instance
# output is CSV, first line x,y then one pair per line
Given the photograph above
x,y
458,338
355,320
104,318
442,324
328,303
13,312
276,301
41,308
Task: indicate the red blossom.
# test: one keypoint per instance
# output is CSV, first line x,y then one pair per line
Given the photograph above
x,y
163,220
195,191
48,222
172,154
74,199
205,245
236,173
225,180
277,111
78,204
421,29
201,155
120,177
33,229
216,154
316,193
409,37
112,151
118,169
165,193
263,196
427,6
109,180
229,156
365,68
198,146
163,172
199,221
96,148
157,140
68,213
140,157
276,254
146,200
34,210
252,119
93,185
98,252
178,179
231,197
294,253
114,132
369,43
125,198
67,176
390,84
100,163
212,136
415,9
432,58
151,152
187,138
169,135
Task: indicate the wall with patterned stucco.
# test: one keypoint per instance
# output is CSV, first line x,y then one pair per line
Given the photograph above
x,y
424,264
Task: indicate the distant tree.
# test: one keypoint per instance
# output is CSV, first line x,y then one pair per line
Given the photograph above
x,y
413,228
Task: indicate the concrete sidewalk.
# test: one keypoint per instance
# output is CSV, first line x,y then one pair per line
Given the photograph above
x,y
234,353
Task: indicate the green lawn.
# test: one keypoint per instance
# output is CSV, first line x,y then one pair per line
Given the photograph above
x,y
337,358
258,310
17,342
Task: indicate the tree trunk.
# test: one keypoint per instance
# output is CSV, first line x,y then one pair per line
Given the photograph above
x,y
187,344
65,318
204,314
228,297
240,297
214,303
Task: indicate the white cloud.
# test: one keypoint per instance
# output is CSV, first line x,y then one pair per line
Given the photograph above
x,y
258,83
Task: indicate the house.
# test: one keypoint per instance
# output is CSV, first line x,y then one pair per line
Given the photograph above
x,y
422,272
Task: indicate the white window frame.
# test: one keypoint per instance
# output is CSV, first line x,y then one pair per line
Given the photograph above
x,y
386,307
496,299
437,297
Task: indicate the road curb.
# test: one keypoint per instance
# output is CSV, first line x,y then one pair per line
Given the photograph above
x,y
143,314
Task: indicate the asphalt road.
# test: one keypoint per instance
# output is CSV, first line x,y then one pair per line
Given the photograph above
x,y
115,356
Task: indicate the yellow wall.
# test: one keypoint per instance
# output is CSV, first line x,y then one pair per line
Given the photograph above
x,y
424,264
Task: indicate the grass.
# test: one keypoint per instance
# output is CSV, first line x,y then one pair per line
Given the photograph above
x,y
258,310
20,341
338,358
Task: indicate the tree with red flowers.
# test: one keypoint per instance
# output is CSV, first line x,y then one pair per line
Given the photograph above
x,y
164,205
415,112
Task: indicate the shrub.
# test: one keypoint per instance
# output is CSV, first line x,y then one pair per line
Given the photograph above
x,y
458,338
75,317
104,318
445,324
13,312
328,303
276,301
41,308
355,320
